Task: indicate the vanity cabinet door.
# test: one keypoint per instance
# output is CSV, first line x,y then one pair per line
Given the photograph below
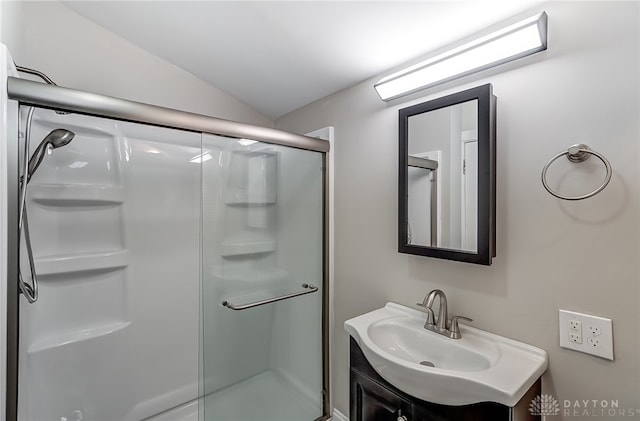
x,y
485,411
372,402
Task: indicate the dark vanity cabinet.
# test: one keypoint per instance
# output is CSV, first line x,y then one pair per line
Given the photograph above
x,y
373,399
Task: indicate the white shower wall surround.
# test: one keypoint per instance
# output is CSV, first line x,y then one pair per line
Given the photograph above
x,y
139,234
114,220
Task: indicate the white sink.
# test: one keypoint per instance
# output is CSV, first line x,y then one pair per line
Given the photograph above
x,y
479,367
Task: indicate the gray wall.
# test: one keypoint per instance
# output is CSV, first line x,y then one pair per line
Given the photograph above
x,y
11,28
552,254
77,53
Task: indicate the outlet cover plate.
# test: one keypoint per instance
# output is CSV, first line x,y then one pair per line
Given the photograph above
x,y
596,332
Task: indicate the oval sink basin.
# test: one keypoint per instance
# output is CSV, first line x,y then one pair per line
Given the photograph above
x,y
479,367
414,344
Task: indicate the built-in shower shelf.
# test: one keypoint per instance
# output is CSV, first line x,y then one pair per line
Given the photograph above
x,y
76,195
72,337
50,265
238,248
243,198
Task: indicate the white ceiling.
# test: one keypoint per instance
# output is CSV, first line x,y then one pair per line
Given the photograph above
x,y
279,56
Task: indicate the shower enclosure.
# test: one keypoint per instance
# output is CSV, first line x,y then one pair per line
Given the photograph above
x,y
180,265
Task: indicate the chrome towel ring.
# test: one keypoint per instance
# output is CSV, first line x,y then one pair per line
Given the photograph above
x,y
578,153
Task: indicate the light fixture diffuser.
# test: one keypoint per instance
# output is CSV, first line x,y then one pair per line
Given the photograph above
x,y
521,39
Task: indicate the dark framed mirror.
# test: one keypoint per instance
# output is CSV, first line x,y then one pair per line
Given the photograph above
x,y
446,185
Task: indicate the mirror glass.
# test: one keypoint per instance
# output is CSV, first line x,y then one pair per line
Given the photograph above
x,y
442,177
446,183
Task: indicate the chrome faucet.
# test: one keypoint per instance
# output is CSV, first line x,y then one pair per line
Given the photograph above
x,y
441,324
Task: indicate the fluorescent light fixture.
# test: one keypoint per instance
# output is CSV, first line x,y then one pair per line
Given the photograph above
x,y
518,40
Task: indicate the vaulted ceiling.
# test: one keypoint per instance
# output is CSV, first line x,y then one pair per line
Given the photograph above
x,y
279,56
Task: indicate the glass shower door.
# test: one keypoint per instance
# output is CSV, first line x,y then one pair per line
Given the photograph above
x,y
262,280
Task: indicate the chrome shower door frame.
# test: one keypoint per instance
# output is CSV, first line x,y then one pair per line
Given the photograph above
x,y
29,93
10,185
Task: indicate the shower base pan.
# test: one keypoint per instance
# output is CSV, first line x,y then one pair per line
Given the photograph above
x,y
268,396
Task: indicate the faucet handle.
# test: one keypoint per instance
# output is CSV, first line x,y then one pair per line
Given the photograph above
x,y
431,317
454,330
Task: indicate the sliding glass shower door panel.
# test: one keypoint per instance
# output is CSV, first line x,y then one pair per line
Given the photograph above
x,y
114,218
262,278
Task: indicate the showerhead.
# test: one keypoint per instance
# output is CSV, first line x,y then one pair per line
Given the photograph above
x,y
56,138
59,137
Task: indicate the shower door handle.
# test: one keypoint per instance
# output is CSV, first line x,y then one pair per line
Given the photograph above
x,y
308,289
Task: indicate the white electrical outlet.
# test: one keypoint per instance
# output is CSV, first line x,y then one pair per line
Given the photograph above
x,y
595,330
586,333
575,331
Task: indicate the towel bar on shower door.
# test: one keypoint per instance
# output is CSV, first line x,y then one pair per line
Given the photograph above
x,y
308,290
